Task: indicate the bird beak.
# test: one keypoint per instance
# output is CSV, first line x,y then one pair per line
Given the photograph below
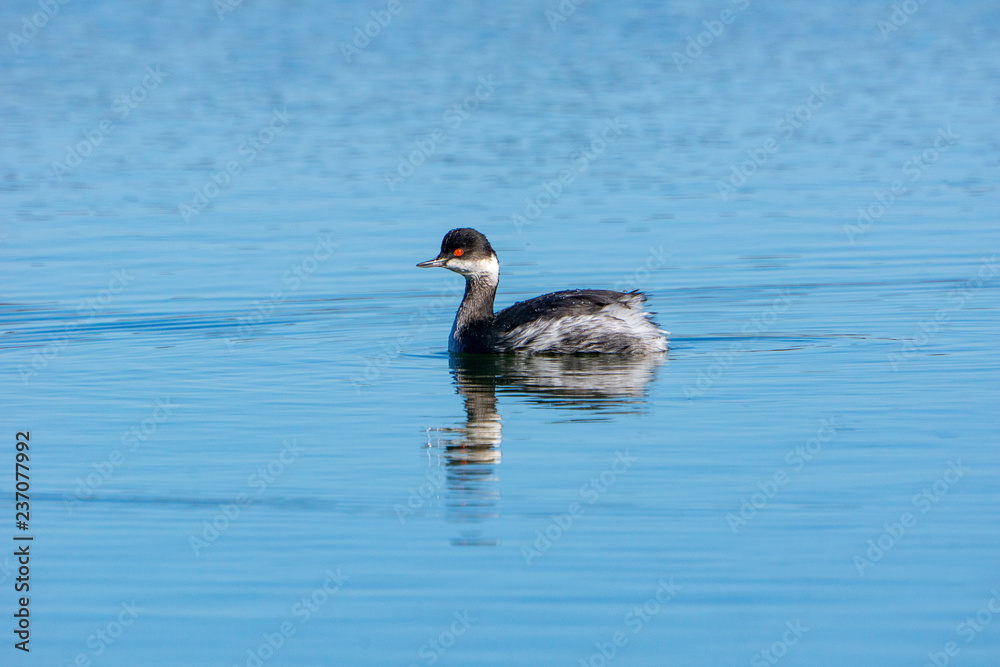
x,y
437,261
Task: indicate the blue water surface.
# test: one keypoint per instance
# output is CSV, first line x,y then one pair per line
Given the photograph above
x,y
249,446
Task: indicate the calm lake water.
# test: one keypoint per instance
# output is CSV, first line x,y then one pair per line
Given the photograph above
x,y
249,446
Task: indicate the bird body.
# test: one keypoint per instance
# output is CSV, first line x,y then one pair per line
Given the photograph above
x,y
572,321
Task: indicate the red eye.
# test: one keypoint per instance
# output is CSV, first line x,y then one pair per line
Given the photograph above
x,y
459,252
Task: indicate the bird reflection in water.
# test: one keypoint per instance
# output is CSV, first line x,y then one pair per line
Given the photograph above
x,y
597,386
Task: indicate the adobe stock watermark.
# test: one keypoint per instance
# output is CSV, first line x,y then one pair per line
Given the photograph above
x,y
7,569
31,25
796,459
779,649
258,482
913,170
103,638
696,44
425,146
247,151
930,327
223,7
419,496
656,259
130,442
900,16
121,108
301,611
635,620
292,280
417,324
563,11
707,377
363,36
786,127
967,630
550,191
590,493
87,311
432,650
924,501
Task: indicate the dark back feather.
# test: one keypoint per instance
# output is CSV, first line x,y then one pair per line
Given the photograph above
x,y
563,304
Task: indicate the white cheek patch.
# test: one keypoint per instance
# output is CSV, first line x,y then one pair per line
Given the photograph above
x,y
457,265
474,267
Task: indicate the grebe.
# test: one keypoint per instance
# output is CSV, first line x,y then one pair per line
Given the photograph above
x,y
574,321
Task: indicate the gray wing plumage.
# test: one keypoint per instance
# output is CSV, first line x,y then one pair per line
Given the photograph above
x,y
579,321
563,304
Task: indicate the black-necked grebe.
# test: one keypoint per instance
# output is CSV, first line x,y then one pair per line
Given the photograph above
x,y
574,321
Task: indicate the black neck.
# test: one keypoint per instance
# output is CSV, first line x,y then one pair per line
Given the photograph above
x,y
477,304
